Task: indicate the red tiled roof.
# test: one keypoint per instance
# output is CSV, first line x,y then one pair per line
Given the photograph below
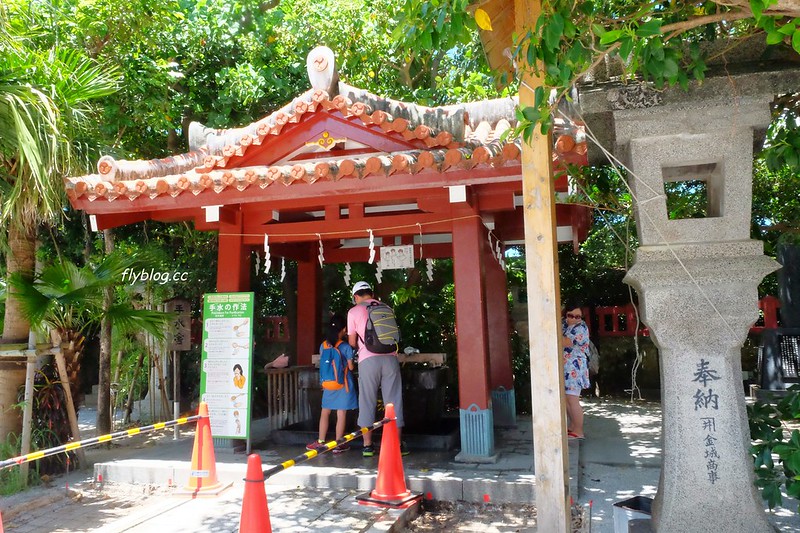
x,y
212,167
218,179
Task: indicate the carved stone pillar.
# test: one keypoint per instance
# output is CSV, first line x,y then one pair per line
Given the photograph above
x,y
699,320
697,282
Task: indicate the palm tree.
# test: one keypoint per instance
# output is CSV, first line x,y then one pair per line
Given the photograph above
x,y
66,300
46,98
46,101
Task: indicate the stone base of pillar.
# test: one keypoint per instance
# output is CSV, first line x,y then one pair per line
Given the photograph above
x,y
477,436
504,408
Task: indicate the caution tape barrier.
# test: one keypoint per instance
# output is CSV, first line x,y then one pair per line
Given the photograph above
x,y
33,456
328,446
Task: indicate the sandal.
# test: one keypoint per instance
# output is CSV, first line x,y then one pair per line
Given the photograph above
x,y
572,435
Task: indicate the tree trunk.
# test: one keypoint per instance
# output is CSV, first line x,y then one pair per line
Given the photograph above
x,y
63,375
72,349
21,258
87,238
104,363
129,404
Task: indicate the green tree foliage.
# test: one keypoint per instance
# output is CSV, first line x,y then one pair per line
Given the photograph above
x,y
777,458
227,63
661,42
665,43
47,104
776,212
48,93
68,299
776,204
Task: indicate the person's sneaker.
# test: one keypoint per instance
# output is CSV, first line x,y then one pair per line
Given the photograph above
x,y
403,448
341,448
316,445
368,451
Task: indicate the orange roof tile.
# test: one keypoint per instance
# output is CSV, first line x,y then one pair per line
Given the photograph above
x,y
218,179
446,138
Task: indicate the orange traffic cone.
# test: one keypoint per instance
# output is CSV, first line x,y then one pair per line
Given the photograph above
x,y
203,477
390,487
255,513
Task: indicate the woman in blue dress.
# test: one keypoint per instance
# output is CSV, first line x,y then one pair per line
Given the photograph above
x,y
343,399
575,341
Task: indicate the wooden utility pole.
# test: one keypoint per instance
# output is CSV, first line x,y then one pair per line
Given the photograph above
x,y
550,454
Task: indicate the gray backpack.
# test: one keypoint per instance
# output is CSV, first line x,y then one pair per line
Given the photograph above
x,y
381,334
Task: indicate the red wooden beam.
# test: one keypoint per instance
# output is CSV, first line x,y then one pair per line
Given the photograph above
x,y
385,225
115,220
361,255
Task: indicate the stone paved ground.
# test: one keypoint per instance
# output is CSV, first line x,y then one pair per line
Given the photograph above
x,y
145,509
79,508
614,467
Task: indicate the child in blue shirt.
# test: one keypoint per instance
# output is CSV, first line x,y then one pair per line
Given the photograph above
x,y
340,400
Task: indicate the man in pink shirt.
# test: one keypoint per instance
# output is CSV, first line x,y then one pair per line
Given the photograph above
x,y
374,370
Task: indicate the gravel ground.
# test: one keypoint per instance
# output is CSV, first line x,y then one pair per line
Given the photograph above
x,y
482,518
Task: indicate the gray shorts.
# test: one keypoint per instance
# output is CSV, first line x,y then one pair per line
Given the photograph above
x,y
379,371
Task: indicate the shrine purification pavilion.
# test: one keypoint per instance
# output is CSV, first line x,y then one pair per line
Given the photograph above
x,y
336,166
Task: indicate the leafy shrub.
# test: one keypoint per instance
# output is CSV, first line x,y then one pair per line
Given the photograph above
x,y
776,458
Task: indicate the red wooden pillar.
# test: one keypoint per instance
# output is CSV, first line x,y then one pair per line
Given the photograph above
x,y
477,431
497,325
309,289
501,376
233,261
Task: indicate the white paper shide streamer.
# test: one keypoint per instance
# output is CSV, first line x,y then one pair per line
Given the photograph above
x,y
497,250
267,260
283,268
420,239
321,255
429,263
378,272
500,257
347,274
371,247
258,262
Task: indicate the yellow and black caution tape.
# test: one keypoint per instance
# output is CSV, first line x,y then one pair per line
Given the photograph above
x,y
33,456
328,446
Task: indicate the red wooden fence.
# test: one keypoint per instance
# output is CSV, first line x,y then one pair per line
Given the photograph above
x,y
619,320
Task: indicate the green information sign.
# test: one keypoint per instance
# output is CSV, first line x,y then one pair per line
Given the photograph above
x,y
226,363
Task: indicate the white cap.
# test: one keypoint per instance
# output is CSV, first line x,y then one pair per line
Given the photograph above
x,y
360,286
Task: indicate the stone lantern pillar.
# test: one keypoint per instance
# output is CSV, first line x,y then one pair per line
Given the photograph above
x,y
697,282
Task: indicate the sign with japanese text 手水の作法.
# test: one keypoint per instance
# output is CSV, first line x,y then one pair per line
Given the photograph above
x,y
226,362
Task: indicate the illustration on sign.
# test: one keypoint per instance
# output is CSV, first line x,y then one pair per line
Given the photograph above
x,y
397,257
227,360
